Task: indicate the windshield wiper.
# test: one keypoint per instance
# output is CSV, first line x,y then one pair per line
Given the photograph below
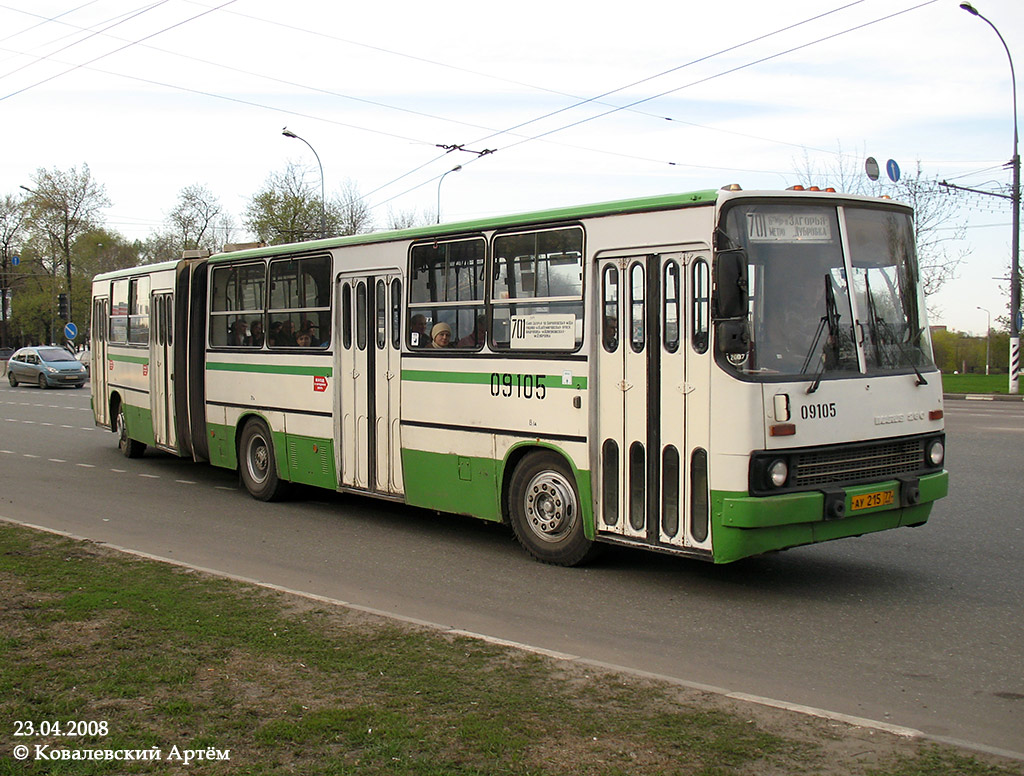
x,y
878,326
830,319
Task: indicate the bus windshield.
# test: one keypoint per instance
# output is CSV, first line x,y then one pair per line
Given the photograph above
x,y
833,290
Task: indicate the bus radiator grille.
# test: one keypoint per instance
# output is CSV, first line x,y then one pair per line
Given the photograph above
x,y
880,461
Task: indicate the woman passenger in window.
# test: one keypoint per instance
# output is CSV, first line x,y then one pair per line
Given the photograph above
x,y
441,335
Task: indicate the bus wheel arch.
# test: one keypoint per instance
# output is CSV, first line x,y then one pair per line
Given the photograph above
x,y
541,501
257,462
130,448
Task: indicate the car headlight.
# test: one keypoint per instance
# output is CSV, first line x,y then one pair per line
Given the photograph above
x,y
51,370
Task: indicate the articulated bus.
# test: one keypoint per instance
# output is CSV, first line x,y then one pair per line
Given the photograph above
x,y
716,374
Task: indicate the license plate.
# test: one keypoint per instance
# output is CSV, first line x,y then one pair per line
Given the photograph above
x,y
880,498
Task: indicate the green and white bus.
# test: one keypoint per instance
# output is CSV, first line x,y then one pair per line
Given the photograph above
x,y
715,374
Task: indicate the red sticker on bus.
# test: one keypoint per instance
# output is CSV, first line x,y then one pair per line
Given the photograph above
x,y
319,383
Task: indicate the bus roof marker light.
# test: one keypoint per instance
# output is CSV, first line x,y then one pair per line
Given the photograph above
x,y
732,187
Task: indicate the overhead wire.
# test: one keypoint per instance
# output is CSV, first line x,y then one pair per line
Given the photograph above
x,y
117,50
729,71
92,34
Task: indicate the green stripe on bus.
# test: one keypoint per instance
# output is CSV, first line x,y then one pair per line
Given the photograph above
x,y
271,369
579,382
128,359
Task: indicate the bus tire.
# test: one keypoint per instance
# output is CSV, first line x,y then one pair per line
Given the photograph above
x,y
256,463
544,509
129,447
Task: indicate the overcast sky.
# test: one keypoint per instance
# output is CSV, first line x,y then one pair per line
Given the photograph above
x,y
578,104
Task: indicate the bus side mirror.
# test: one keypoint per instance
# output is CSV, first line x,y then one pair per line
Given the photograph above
x,y
733,336
731,302
730,285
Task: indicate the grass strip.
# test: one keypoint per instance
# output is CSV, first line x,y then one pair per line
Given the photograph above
x,y
172,661
980,384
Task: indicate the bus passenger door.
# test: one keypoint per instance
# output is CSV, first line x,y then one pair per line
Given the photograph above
x,y
641,383
369,382
98,370
161,387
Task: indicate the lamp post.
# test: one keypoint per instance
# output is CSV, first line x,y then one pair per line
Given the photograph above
x,y
988,337
1015,197
323,199
453,169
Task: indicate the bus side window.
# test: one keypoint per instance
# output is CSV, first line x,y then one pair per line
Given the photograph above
x,y
396,314
300,303
610,308
346,316
701,305
446,286
670,316
637,307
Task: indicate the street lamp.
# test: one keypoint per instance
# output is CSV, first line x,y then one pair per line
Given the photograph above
x,y
453,169
323,199
988,337
1015,197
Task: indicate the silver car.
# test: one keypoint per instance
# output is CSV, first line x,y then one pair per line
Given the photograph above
x,y
47,367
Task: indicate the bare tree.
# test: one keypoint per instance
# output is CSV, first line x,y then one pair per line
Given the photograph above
x,y
194,221
407,219
937,223
349,212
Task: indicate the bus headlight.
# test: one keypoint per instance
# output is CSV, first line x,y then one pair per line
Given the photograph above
x,y
936,452
778,472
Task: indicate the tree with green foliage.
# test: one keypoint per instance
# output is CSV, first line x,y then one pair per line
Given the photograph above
x,y
62,205
12,231
288,209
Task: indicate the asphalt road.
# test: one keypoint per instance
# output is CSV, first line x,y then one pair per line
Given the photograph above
x,y
921,628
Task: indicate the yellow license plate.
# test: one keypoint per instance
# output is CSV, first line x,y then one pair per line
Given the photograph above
x,y
880,498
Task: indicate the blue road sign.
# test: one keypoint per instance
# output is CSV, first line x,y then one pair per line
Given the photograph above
x,y
15,260
70,331
1020,320
892,170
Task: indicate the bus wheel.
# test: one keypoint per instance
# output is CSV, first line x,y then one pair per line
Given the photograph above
x,y
129,447
256,462
544,509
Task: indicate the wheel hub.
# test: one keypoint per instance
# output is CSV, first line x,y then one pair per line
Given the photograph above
x,y
550,506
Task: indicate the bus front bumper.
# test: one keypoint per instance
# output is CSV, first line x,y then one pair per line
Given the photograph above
x,y
747,525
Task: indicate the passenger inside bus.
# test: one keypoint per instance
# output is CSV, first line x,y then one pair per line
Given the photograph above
x,y
441,335
256,333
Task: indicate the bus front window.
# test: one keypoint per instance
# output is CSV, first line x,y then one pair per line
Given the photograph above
x,y
815,312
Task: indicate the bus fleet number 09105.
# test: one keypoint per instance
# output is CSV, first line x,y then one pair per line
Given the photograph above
x,y
518,386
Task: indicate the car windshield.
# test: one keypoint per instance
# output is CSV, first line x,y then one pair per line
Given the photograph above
x,y
55,354
814,310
